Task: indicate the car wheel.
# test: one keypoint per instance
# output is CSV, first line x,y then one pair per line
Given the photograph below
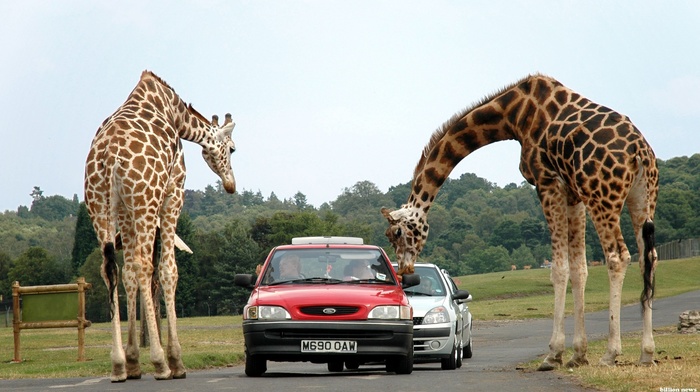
x,y
467,351
459,356
352,365
400,365
335,366
451,362
255,366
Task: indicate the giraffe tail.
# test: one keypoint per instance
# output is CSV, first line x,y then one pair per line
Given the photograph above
x,y
649,263
112,272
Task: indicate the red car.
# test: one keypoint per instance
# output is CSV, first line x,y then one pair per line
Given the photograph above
x,y
330,300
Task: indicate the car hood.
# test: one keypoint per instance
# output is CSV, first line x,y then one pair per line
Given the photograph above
x,y
343,294
422,304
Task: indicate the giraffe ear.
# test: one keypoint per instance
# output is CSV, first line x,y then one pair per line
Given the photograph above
x,y
225,131
386,213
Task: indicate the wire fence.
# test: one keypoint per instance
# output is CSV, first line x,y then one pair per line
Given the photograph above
x,y
679,249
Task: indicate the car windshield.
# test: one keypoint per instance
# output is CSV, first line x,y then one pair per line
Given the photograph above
x,y
430,283
327,265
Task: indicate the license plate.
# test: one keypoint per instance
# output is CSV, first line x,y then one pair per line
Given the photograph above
x,y
328,346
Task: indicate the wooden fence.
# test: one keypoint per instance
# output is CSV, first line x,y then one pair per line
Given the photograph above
x,y
54,306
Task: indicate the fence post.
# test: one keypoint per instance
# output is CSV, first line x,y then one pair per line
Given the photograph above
x,y
15,320
82,322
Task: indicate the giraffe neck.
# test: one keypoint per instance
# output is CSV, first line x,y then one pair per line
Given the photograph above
x,y
513,113
189,124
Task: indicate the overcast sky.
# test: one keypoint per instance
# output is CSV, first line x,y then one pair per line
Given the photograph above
x,y
329,93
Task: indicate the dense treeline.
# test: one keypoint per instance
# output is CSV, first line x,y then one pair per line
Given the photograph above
x,y
475,227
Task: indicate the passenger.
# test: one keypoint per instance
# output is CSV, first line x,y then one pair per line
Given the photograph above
x,y
358,269
290,267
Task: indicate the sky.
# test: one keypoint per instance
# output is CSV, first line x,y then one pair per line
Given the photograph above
x,y
326,94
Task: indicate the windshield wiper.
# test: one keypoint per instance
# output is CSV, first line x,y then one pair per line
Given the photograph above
x,y
308,280
367,280
419,293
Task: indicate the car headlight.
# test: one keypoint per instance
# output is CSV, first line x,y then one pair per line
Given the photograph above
x,y
437,315
266,313
388,312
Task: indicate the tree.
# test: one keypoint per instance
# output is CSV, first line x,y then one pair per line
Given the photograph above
x,y
238,254
187,268
522,256
36,267
490,259
53,208
5,282
507,234
85,238
97,298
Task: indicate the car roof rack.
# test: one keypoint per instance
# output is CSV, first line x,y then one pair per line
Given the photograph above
x,y
327,240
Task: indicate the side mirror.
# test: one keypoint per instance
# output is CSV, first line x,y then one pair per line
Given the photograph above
x,y
244,280
462,296
410,280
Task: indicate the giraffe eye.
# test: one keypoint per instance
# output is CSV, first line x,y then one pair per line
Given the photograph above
x,y
397,233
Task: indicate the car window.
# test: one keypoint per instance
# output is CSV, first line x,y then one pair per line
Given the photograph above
x,y
430,283
327,263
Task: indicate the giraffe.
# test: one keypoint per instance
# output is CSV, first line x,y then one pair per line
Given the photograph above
x,y
134,182
580,157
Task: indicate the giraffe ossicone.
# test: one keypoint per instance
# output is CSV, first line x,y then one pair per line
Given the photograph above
x,y
134,189
581,157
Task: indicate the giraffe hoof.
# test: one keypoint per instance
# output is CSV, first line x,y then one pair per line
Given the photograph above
x,y
135,376
117,378
545,367
577,362
179,376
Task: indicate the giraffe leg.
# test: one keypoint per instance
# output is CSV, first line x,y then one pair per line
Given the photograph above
x,y
638,206
169,275
133,366
144,253
617,259
110,274
554,207
559,277
579,275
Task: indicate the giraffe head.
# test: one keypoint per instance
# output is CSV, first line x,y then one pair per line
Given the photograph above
x,y
407,233
218,153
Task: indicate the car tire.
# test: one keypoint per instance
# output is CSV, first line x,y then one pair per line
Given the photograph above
x,y
335,366
451,362
460,351
467,351
402,364
255,366
352,365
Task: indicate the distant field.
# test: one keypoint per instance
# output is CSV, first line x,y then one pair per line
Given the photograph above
x,y
525,294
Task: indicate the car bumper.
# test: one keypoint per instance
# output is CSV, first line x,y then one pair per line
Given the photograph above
x,y
281,340
434,341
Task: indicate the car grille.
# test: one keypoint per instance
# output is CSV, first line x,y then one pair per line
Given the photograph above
x,y
319,310
417,320
329,334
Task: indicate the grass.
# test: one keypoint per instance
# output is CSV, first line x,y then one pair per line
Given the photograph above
x,y
209,342
527,294
678,364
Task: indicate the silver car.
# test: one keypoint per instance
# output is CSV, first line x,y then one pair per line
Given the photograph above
x,y
442,322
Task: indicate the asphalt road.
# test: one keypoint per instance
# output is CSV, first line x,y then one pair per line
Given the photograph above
x,y
498,350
